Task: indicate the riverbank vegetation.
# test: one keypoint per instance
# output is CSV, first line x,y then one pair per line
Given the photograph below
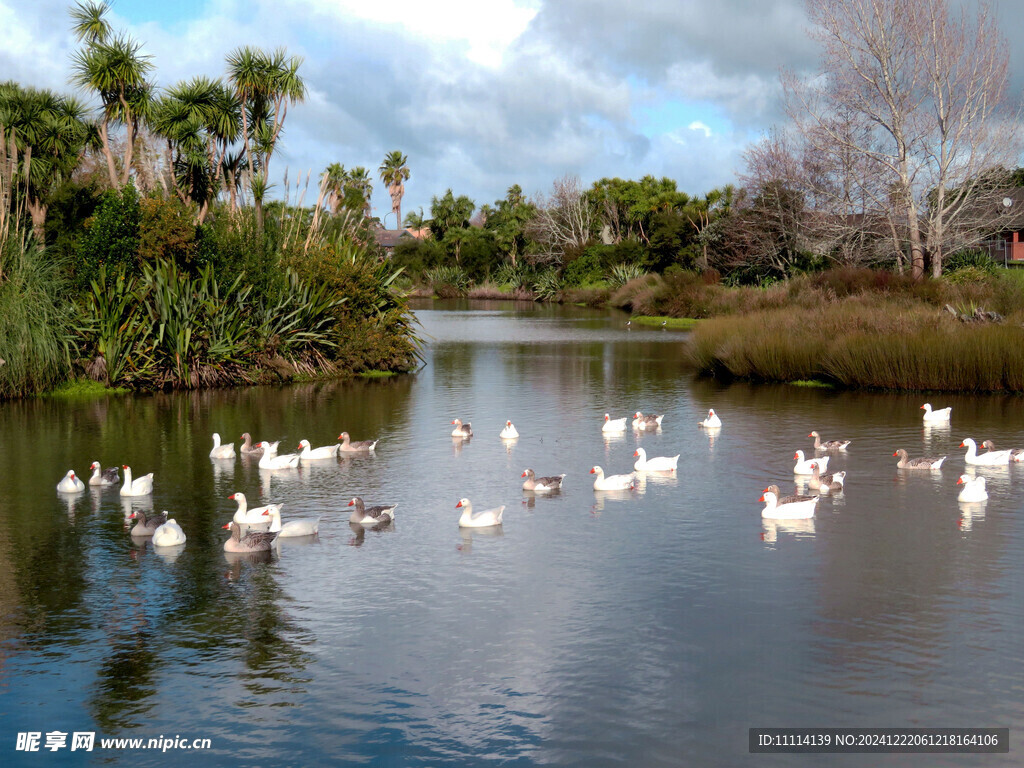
x,y
139,246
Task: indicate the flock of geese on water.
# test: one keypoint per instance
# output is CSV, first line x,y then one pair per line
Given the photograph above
x,y
256,529
797,507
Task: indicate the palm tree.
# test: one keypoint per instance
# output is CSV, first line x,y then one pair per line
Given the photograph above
x,y
90,26
116,71
393,172
334,178
50,132
359,182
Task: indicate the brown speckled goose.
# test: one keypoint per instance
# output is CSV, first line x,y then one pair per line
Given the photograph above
x,y
462,430
248,448
252,541
828,445
146,525
364,515
1016,454
541,484
825,483
347,446
922,463
645,423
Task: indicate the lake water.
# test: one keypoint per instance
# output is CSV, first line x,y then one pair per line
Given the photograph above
x,y
651,627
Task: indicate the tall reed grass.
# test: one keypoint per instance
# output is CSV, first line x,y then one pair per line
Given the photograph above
x,y
864,341
35,332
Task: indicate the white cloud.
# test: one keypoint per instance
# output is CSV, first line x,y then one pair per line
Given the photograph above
x,y
697,125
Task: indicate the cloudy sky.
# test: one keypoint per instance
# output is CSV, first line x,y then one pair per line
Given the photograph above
x,y
479,95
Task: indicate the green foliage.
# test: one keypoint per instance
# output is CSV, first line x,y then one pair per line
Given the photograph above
x,y
547,286
167,232
112,239
448,281
34,321
118,326
417,256
518,275
71,205
234,245
449,212
973,259
586,268
84,388
621,274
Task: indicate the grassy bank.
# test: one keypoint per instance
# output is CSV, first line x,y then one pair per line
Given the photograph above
x,y
893,336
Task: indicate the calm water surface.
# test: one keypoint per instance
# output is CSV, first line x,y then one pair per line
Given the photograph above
x,y
593,629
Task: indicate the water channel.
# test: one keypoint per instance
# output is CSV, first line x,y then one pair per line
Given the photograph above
x,y
650,627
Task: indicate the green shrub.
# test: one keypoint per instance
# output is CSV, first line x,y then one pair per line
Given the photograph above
x,y
588,268
547,286
448,282
112,237
621,274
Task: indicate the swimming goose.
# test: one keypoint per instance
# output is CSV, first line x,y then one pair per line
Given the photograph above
x,y
270,459
245,515
168,535
644,423
974,488
803,466
462,430
612,482
363,515
828,445
711,421
309,526
655,463
251,541
146,525
940,415
108,476
482,519
541,484
825,483
70,484
315,454
1016,454
613,425
359,445
786,507
509,432
142,486
248,448
922,463
221,451
989,458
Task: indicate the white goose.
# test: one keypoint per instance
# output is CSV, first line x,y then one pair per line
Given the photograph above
x,y
1016,454
786,507
309,526
168,535
974,488
655,463
509,432
712,421
101,476
940,415
462,430
316,454
806,466
142,486
221,451
483,519
613,425
644,423
270,459
245,515
70,484
987,459
612,482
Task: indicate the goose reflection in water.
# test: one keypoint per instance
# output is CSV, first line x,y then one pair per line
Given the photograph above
x,y
235,559
131,504
798,529
223,470
971,512
458,443
664,477
602,498
359,531
712,433
170,554
469,534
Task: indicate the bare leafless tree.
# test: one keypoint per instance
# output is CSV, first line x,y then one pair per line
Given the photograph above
x,y
906,124
563,222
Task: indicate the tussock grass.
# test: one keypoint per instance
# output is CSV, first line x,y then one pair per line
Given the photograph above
x,y
875,341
